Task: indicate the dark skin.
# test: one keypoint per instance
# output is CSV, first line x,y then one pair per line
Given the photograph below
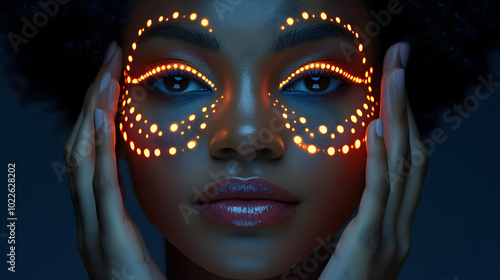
x,y
245,68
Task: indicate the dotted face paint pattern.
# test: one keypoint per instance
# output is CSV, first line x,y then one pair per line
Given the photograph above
x,y
133,122
356,122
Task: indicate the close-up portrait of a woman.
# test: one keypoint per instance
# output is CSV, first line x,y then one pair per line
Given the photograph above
x,y
232,139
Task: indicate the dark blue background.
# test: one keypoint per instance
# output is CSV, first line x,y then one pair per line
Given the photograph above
x,y
456,232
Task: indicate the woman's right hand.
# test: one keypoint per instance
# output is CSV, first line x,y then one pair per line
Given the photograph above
x,y
109,242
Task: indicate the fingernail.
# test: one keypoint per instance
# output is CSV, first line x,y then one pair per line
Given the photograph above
x,y
106,78
97,119
379,128
400,80
404,53
109,52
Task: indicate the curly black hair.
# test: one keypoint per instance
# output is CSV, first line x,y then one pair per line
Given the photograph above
x,y
449,40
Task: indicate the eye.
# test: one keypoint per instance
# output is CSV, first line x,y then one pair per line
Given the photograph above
x,y
178,85
175,80
313,84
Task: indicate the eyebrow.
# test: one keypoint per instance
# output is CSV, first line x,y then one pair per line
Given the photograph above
x,y
298,37
188,35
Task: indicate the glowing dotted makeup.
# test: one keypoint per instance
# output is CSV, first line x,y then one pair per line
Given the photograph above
x,y
305,135
132,122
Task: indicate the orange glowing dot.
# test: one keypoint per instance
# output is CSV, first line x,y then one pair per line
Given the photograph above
x,y
363,123
323,16
192,118
212,106
323,129
172,151
125,136
132,145
157,152
282,27
354,119
129,100
210,30
331,151
204,22
353,130
131,125
311,135
312,149
140,130
372,99
132,110
139,151
365,106
370,90
359,112
139,32
121,126
175,15
337,19
349,27
134,46
145,121
345,149
340,129
305,15
193,16
360,47
204,109
146,153
333,136
289,21
130,58
138,117
297,139
126,118
191,144
285,116
203,125
357,144
364,60
149,22
371,69
153,128
174,127
302,120
160,19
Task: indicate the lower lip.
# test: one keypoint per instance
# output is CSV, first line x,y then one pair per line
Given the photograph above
x,y
238,213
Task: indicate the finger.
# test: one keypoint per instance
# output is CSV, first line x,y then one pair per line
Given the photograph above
x,y
115,227
396,56
80,159
396,141
415,181
373,202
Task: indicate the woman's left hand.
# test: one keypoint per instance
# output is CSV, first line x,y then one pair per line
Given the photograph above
x,y
376,243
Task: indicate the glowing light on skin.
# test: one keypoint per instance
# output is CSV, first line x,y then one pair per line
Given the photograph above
x,y
355,122
130,115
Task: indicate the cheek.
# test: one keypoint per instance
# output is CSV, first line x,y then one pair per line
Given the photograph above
x,y
154,128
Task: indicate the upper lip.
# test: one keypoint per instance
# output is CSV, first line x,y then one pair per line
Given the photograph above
x,y
245,189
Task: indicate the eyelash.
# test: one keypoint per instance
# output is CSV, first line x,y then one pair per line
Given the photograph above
x,y
320,69
174,69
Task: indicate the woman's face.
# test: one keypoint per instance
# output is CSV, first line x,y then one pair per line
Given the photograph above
x,y
257,91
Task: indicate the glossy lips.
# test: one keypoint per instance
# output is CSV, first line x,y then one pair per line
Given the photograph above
x,y
246,203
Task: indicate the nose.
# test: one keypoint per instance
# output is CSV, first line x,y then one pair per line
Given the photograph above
x,y
247,127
